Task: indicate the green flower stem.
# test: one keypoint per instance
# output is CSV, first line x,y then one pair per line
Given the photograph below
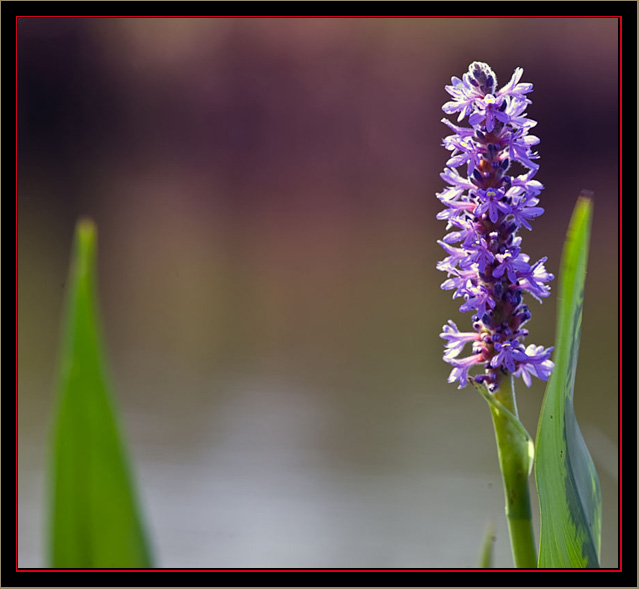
x,y
515,470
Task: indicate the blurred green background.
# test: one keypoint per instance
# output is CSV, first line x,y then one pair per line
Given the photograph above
x,y
264,191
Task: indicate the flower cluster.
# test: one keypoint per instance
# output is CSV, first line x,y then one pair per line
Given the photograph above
x,y
485,210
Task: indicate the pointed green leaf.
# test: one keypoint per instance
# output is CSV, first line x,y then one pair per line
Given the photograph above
x,y
567,482
93,515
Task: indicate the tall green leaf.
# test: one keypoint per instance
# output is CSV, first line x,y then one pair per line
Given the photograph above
x,y
567,482
94,518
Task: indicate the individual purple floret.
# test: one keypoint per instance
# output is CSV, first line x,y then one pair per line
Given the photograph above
x,y
484,211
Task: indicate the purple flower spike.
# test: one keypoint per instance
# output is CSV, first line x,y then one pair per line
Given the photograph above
x,y
485,209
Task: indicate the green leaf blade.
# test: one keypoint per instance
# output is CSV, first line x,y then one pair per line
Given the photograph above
x,y
567,482
93,514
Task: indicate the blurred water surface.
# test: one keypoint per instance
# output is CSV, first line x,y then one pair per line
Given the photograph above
x,y
264,194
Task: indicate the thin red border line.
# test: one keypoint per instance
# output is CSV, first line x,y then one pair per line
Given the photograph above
x,y
316,570
320,16
620,291
358,570
16,293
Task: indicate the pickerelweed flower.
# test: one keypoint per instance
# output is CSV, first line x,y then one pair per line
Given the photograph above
x,y
485,209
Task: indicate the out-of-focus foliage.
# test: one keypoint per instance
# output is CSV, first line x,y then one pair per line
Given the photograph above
x,y
94,518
